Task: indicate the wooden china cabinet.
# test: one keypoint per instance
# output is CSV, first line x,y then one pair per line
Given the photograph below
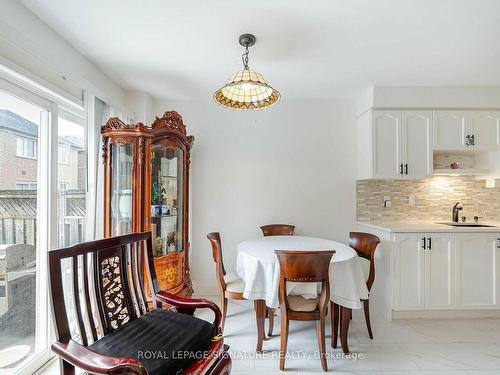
x,y
146,188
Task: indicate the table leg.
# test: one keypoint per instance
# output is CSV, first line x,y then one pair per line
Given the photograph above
x,y
335,323
260,316
345,318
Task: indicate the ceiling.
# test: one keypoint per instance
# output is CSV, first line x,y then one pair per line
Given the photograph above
x,y
306,49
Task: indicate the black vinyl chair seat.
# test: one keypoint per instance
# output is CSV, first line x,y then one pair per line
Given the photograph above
x,y
164,341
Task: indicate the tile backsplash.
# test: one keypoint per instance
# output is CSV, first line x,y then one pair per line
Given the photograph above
x,y
434,198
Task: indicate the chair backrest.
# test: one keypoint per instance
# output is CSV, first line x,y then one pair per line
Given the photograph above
x,y
277,230
365,245
106,284
220,271
304,266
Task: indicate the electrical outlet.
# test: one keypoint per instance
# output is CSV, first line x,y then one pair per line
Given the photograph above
x,y
387,202
411,200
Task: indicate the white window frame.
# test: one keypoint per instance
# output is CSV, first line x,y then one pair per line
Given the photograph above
x,y
25,141
29,184
47,159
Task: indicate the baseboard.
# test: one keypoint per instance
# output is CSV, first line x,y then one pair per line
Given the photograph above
x,y
429,314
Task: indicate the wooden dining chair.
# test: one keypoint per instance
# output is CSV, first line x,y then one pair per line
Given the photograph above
x,y
277,230
365,245
231,286
304,266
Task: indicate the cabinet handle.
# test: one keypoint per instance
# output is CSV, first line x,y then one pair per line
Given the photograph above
x,y
430,243
498,243
424,243
401,169
473,141
406,168
467,140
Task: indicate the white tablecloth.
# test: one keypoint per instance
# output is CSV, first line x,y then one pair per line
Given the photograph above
x,y
258,266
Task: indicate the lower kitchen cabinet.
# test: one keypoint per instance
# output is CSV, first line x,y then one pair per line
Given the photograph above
x,y
444,271
478,265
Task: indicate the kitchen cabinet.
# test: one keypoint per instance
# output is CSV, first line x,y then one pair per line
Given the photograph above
x,y
424,271
446,271
417,145
386,143
484,128
395,144
478,269
409,272
466,130
439,271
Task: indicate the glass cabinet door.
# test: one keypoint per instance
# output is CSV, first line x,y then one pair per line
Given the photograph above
x,y
122,166
166,199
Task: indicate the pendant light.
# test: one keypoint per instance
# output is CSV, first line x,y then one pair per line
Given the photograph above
x,y
247,89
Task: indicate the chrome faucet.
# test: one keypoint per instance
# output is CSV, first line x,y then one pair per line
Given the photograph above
x,y
456,208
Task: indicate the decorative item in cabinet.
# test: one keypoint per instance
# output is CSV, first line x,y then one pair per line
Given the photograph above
x,y
147,189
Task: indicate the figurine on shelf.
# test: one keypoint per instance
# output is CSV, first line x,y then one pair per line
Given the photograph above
x,y
160,244
155,199
171,241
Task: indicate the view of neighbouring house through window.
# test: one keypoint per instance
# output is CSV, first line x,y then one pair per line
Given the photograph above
x,y
21,125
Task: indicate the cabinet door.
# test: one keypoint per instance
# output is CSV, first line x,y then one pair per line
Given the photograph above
x,y
409,272
477,270
450,130
485,127
387,156
417,145
440,271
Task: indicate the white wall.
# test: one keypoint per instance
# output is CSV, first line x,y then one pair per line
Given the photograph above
x,y
33,46
141,104
292,163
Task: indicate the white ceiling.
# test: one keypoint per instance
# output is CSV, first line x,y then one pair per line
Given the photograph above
x,y
306,49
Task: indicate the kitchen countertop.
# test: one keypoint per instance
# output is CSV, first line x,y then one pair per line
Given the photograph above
x,y
427,226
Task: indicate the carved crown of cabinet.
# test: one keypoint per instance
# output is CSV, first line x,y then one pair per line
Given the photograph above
x,y
146,188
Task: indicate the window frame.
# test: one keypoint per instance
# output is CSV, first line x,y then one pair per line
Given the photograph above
x,y
46,154
25,141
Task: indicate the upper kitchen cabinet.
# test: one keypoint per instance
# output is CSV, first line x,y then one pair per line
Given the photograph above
x,y
394,144
466,130
484,129
450,130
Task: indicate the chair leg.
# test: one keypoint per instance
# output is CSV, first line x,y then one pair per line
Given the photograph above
x,y
67,368
270,315
335,323
223,308
344,328
366,306
320,334
284,339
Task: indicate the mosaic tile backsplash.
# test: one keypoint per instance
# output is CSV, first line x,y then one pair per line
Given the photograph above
x,y
434,198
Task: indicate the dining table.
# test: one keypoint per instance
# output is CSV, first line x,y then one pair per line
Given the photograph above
x,y
258,267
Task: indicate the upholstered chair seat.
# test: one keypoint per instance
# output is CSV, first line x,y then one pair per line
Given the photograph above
x,y
299,303
234,283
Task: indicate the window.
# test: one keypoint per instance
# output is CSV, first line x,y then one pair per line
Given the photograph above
x,y
23,293
26,147
25,185
28,225
71,171
63,150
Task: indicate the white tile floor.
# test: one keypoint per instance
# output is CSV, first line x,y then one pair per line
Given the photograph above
x,y
409,347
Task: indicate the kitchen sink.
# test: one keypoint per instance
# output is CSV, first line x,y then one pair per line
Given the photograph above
x,y
453,224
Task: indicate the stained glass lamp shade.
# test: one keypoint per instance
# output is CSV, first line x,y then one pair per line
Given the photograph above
x,y
247,89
